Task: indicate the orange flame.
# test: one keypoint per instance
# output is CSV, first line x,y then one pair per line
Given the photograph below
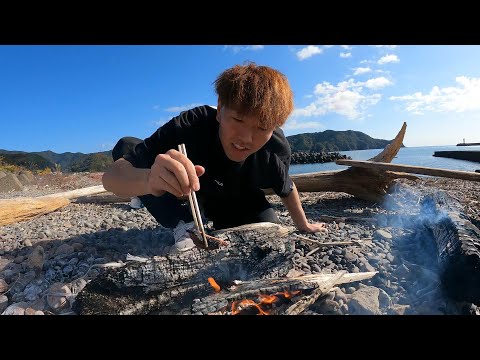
x,y
265,302
214,284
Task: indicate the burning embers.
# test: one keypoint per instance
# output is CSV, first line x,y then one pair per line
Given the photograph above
x,y
262,304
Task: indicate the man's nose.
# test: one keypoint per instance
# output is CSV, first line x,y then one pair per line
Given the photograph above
x,y
246,135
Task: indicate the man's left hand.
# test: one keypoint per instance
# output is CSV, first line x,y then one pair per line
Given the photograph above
x,y
313,228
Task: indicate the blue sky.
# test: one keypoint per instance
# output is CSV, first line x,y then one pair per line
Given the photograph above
x,y
82,98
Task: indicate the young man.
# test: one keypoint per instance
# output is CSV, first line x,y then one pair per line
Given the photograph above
x,y
233,151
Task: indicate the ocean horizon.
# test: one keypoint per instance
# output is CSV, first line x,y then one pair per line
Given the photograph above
x,y
416,156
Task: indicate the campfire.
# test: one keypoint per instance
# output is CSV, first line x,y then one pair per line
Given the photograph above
x,y
262,304
247,273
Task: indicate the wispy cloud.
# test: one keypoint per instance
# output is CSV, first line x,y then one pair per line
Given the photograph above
x,y
107,146
238,48
308,51
391,47
461,98
294,124
348,98
346,47
388,59
345,55
181,108
361,70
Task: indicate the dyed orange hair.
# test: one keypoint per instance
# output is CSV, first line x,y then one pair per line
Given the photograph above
x,y
256,90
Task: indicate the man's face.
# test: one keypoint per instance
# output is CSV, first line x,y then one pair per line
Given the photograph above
x,y
240,135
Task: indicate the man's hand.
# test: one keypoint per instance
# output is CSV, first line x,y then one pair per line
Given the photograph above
x,y
173,172
313,228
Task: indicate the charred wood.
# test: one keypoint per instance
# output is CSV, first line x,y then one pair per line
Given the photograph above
x,y
254,251
458,246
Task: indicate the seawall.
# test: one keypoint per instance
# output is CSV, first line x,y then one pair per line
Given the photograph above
x,y
460,155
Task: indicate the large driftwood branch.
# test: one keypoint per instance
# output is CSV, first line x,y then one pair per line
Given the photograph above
x,y
367,184
455,174
19,209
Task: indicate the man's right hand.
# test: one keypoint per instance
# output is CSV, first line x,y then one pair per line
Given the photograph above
x,y
173,172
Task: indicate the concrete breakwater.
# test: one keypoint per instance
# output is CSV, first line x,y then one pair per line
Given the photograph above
x,y
304,157
468,144
460,155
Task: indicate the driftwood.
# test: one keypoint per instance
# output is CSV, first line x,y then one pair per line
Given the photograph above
x,y
367,184
15,210
458,246
455,174
255,261
19,209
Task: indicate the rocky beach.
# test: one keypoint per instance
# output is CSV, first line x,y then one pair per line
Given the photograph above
x,y
46,261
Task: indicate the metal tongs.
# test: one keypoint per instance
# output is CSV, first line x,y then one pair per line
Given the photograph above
x,y
197,217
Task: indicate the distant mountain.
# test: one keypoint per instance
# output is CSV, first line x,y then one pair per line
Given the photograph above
x,y
330,140
96,162
69,162
26,160
324,141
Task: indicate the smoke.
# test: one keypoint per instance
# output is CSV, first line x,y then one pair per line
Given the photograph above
x,y
409,216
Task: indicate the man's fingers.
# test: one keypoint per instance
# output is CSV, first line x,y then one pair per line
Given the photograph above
x,y
191,182
200,170
169,182
178,169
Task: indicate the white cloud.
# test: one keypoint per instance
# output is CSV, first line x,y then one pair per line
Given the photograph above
x,y
391,47
378,83
177,109
238,48
462,98
156,107
295,125
345,55
361,70
388,59
308,51
328,46
348,98
346,47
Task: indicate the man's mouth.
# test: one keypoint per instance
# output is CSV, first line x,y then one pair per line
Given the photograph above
x,y
239,147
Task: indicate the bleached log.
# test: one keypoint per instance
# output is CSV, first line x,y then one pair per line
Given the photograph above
x,y
20,209
15,210
455,174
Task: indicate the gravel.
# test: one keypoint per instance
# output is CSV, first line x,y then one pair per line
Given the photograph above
x,y
80,241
